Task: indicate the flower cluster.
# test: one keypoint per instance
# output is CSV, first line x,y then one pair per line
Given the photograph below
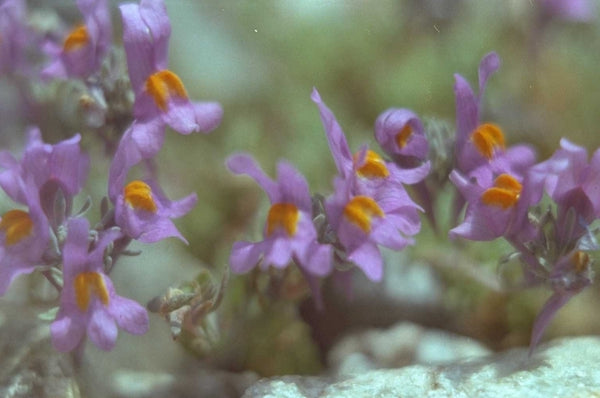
x,y
369,206
130,98
43,233
499,187
503,189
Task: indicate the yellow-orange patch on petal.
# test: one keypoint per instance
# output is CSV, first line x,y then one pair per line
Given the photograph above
x,y
77,38
486,138
163,85
284,216
403,136
139,196
374,166
505,193
87,284
17,225
580,260
360,210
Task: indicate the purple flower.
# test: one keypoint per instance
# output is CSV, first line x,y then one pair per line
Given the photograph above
x,y
362,222
289,233
89,304
401,135
496,206
468,109
24,236
573,184
570,10
567,174
570,275
50,167
84,47
483,144
160,97
14,36
370,205
144,212
159,93
366,170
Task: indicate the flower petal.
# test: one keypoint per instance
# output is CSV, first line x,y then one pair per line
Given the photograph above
x,y
391,122
208,115
139,46
293,186
180,115
140,141
102,329
75,251
245,256
66,332
335,137
467,112
244,164
487,67
368,258
317,259
154,14
129,315
278,253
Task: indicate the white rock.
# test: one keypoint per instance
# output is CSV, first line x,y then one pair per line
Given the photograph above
x,y
563,368
400,345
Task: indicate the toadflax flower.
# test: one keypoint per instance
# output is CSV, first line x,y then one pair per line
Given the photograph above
x,y
496,206
85,46
159,92
143,211
160,96
483,144
61,167
289,233
366,170
89,304
24,235
480,152
361,222
573,184
401,135
370,205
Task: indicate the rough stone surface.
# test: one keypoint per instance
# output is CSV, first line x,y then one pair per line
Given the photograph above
x,y
401,345
194,382
563,368
29,365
